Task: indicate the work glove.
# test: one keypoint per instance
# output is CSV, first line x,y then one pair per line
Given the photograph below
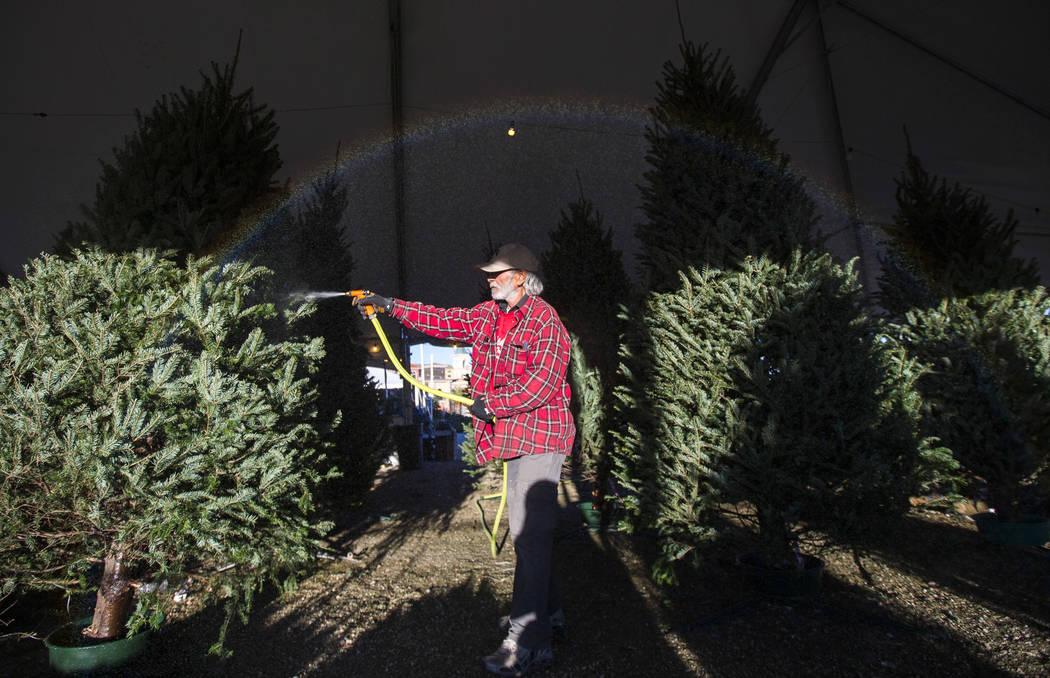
x,y
479,410
379,304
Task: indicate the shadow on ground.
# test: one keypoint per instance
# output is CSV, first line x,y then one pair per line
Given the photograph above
x,y
424,593
938,549
409,503
928,597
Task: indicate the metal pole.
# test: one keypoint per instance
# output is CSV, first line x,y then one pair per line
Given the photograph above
x,y
847,176
398,124
398,156
780,43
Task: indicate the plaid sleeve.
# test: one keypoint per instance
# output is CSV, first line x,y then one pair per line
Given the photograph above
x,y
454,324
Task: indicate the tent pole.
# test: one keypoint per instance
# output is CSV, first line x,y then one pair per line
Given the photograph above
x,y
776,49
398,124
847,178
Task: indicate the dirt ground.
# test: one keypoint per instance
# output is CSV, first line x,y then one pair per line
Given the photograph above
x,y
422,593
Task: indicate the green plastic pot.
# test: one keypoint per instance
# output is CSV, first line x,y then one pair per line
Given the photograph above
x,y
1030,530
592,517
68,655
790,583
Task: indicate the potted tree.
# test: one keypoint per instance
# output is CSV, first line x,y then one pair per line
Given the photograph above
x,y
588,410
153,426
988,396
753,388
977,315
774,403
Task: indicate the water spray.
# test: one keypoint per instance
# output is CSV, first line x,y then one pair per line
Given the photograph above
x,y
321,295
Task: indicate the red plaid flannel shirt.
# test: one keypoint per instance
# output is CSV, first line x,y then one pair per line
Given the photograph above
x,y
525,388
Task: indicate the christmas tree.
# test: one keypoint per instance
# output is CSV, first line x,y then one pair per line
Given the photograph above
x,y
149,423
976,313
197,173
590,406
945,243
710,200
775,401
754,388
307,247
584,279
717,189
194,164
987,391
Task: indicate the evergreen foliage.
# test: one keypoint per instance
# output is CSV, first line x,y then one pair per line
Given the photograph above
x,y
195,163
308,250
947,244
468,454
988,390
717,189
584,279
589,405
753,388
773,399
976,314
146,418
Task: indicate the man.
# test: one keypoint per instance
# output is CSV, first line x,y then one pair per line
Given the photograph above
x,y
521,403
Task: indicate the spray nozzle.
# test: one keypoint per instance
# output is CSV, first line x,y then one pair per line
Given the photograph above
x,y
357,295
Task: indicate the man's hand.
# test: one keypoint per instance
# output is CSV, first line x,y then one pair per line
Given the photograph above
x,y
379,304
479,410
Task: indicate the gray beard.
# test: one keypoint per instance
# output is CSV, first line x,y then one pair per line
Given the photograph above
x,y
502,292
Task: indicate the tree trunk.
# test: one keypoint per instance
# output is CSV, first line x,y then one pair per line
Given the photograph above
x,y
113,604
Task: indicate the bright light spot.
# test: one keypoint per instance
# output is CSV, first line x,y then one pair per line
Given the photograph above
x,y
510,132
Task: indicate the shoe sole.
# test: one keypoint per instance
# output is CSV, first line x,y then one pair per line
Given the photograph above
x,y
557,632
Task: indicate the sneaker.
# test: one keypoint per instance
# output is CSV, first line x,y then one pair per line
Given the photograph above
x,y
557,625
512,660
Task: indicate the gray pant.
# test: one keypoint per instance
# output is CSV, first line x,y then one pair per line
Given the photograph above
x,y
532,505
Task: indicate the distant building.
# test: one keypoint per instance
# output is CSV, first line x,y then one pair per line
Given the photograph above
x,y
461,365
447,378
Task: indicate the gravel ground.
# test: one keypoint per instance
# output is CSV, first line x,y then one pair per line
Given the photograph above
x,y
422,594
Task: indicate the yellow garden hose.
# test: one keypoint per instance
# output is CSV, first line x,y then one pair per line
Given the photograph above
x,y
499,512
358,294
390,353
